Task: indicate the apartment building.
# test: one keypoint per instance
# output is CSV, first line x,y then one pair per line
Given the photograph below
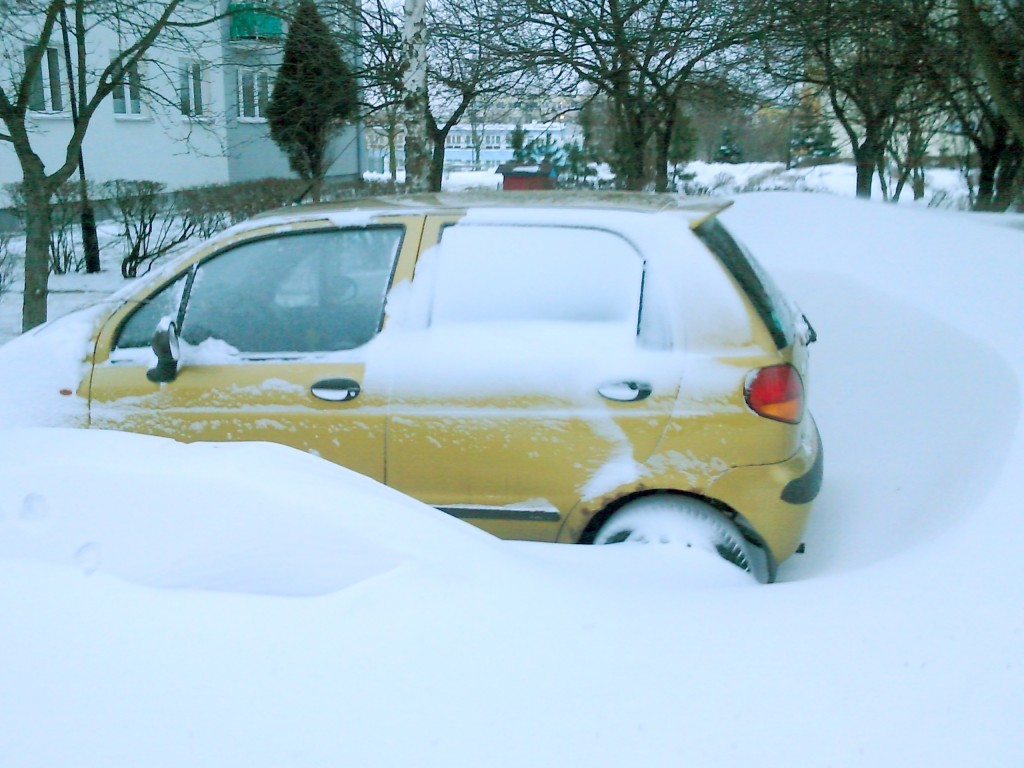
x,y
192,113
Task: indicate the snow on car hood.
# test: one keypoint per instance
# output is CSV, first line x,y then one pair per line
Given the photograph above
x,y
40,372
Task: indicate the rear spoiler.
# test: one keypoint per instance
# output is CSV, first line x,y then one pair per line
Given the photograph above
x,y
714,210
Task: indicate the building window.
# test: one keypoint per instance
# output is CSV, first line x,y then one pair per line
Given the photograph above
x,y
190,89
253,93
128,90
45,91
492,141
453,141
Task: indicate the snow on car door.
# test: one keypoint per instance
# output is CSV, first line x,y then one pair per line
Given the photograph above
x,y
274,333
523,385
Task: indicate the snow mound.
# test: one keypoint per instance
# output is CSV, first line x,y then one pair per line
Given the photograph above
x,y
249,517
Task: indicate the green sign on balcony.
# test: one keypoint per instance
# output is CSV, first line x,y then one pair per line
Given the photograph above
x,y
253,21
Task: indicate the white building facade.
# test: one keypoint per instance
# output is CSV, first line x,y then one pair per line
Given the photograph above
x,y
192,113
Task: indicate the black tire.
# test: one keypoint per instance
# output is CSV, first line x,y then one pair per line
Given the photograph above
x,y
680,520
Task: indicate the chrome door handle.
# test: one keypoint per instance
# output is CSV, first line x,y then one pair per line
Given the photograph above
x,y
625,391
336,390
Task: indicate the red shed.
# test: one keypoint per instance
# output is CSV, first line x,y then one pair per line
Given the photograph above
x,y
518,175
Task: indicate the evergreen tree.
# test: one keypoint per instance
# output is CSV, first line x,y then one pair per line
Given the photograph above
x,y
314,96
812,131
518,141
728,151
825,142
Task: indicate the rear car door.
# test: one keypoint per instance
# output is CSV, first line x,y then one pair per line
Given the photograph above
x,y
275,331
527,376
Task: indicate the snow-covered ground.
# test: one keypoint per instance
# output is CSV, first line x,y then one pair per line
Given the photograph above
x,y
247,605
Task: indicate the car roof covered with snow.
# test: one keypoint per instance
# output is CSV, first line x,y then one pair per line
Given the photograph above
x,y
696,209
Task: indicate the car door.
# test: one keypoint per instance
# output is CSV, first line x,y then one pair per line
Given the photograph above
x,y
530,379
274,336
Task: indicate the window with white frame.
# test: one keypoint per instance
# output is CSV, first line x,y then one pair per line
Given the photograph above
x,y
492,141
46,88
127,92
191,92
253,93
453,141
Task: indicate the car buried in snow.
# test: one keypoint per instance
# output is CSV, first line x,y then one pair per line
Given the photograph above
x,y
590,368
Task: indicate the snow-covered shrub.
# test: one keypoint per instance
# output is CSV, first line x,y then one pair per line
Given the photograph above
x,y
763,178
205,208
247,198
150,227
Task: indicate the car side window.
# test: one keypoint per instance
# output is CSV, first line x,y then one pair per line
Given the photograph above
x,y
137,331
541,274
311,291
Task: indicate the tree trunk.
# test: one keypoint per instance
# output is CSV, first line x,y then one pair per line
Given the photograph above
x,y
865,162
417,152
900,183
917,179
437,162
37,249
392,157
1009,177
869,155
988,162
662,140
630,143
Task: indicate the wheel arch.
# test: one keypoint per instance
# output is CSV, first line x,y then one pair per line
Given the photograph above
x,y
765,565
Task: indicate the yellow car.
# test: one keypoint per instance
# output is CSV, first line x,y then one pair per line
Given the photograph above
x,y
553,367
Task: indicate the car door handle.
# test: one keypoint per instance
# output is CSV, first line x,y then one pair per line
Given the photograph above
x,y
336,390
625,391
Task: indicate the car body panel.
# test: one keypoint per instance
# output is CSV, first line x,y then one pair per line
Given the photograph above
x,y
266,400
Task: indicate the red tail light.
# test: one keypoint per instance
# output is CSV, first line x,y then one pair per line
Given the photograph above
x,y
776,392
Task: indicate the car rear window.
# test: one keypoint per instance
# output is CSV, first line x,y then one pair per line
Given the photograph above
x,y
768,301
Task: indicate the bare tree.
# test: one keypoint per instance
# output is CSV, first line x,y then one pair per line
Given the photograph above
x,y
865,54
645,57
971,112
446,64
29,34
466,69
995,31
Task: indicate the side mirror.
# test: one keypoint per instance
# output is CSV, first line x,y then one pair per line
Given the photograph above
x,y
165,346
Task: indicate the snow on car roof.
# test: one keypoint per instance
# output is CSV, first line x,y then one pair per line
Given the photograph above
x,y
696,208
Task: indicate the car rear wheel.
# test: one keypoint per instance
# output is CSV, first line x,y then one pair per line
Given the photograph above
x,y
679,520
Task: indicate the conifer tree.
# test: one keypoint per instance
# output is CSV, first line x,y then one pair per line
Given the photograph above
x,y
812,132
728,151
314,96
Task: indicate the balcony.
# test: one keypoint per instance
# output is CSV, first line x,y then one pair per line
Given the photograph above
x,y
254,21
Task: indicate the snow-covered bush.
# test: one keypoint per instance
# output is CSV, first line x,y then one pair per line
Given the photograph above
x,y
150,227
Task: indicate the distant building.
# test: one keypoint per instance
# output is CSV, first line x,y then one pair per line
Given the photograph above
x,y
485,138
184,118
